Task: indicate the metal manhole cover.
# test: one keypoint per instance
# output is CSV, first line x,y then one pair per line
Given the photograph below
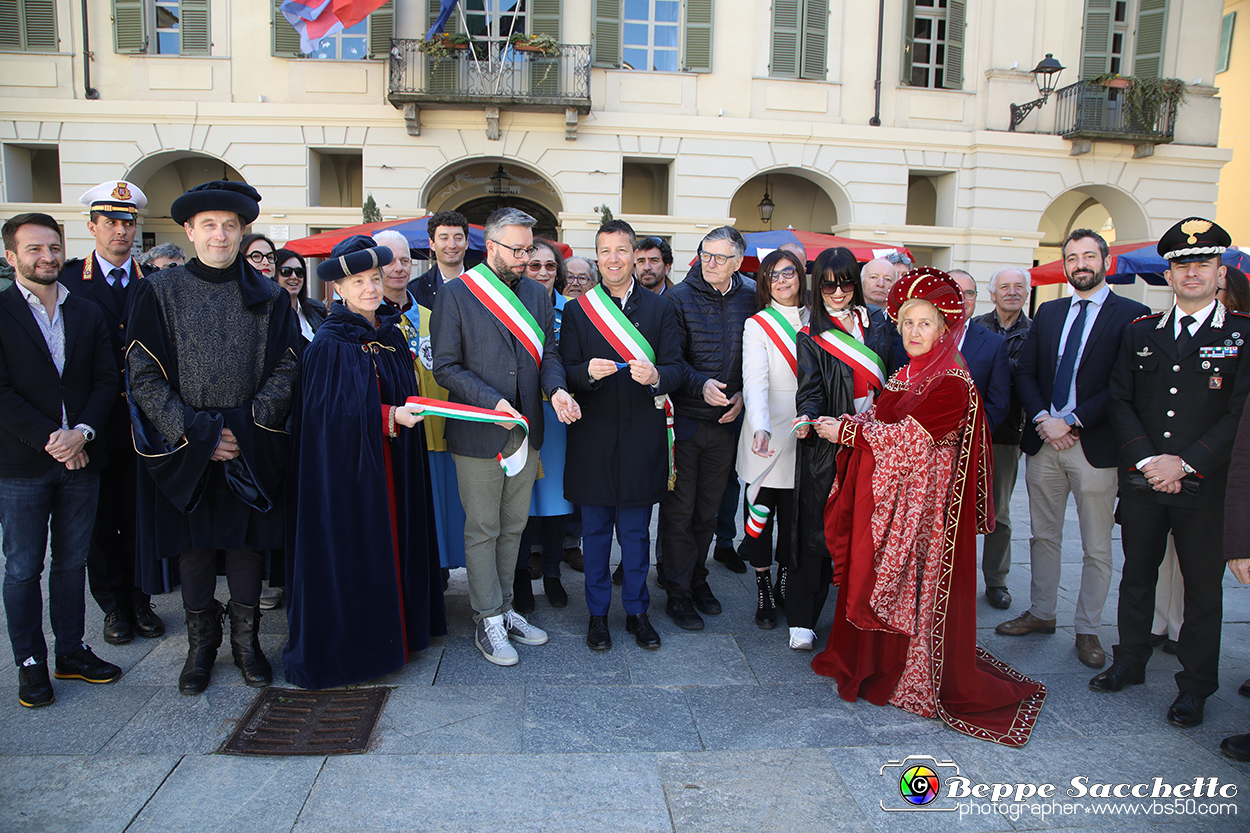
x,y
284,721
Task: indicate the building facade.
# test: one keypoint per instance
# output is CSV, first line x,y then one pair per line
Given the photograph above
x,y
884,122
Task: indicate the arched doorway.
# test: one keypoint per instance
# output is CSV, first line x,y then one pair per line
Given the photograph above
x,y
477,188
1116,216
164,177
799,201
476,211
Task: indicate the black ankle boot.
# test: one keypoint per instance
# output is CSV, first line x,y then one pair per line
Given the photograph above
x,y
245,645
779,589
523,592
766,607
203,640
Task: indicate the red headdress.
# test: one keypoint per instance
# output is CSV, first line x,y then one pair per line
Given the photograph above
x,y
938,288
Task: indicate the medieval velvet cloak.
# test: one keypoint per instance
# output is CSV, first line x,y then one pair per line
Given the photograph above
x,y
208,349
913,490
364,587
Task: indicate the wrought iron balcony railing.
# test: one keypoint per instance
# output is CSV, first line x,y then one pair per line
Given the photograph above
x,y
491,74
1087,110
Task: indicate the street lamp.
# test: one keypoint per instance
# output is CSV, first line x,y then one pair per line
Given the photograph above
x,y
1046,74
500,182
766,206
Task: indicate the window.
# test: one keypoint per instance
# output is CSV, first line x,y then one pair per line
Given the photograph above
x,y
644,186
161,27
336,177
653,35
1226,41
370,38
32,173
800,39
28,25
933,43
1124,37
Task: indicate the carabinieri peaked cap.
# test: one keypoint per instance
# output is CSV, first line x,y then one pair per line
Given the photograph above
x,y
1194,238
116,198
357,253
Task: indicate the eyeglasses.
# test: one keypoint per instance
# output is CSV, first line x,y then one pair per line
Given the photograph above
x,y
536,266
518,251
970,294
785,274
288,271
260,257
578,279
721,260
830,287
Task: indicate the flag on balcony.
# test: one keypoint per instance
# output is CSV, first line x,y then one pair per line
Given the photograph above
x,y
444,14
316,19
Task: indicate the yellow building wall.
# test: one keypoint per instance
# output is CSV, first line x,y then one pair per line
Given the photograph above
x,y
1233,204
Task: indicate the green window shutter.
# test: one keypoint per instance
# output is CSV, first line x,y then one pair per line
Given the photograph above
x,y
194,35
10,25
698,51
815,40
606,49
1096,39
545,18
130,36
956,21
784,62
444,76
909,37
39,26
285,38
1226,41
381,30
1148,46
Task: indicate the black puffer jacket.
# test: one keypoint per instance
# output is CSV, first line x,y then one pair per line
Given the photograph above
x,y
710,328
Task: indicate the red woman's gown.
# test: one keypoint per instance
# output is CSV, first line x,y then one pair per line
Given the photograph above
x,y
904,631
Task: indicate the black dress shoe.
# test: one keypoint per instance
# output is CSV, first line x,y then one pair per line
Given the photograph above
x,y
729,557
704,600
34,689
661,580
1186,711
446,578
523,592
556,594
1244,689
618,575
117,629
1237,747
681,610
1170,647
1116,678
998,597
146,623
597,636
86,666
1157,639
644,633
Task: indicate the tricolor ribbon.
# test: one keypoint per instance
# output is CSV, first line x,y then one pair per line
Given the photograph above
x,y
781,333
511,464
855,353
757,516
503,303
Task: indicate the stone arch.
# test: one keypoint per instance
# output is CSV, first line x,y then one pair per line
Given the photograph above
x,y
466,184
1112,212
167,175
805,199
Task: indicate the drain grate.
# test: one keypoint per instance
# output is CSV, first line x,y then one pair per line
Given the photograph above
x,y
284,721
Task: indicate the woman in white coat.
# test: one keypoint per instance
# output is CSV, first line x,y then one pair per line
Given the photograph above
x,y
766,449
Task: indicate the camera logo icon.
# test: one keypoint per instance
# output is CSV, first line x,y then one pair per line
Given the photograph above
x,y
918,780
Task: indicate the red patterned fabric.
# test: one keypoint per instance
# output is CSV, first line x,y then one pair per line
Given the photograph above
x,y
904,631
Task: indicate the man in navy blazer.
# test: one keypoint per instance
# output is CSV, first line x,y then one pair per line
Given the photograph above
x,y
58,382
1064,382
985,353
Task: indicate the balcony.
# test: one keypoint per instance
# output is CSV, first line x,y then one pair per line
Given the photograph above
x,y
1087,111
490,75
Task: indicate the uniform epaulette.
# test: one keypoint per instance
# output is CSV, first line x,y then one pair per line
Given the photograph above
x,y
1148,316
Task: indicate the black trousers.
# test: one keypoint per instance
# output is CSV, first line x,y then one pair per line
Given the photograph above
x,y
111,558
1199,535
759,551
807,587
198,571
688,513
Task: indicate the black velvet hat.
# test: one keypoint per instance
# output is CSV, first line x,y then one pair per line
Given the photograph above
x,y
352,255
220,195
1193,239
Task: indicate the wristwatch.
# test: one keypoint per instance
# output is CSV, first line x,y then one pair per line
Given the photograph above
x,y
87,433
1070,419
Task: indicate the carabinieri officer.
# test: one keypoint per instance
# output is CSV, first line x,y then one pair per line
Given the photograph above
x,y
1177,393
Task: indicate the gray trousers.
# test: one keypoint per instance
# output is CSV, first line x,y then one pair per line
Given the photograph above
x,y
996,549
496,509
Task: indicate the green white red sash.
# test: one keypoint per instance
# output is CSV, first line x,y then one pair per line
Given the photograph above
x,y
507,307
757,516
849,349
631,345
781,333
511,464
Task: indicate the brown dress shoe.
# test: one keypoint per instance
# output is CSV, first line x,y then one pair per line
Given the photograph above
x,y
1026,623
1090,652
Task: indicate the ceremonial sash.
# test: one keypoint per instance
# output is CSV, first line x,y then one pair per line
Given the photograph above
x,y
631,345
757,516
781,333
507,307
511,464
847,348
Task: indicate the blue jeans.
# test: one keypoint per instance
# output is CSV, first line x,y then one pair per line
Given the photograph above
x,y
67,499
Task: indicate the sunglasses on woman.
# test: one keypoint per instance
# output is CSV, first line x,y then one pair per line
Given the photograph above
x,y
288,271
846,285
537,266
786,274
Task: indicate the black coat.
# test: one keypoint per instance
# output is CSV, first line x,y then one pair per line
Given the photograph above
x,y
31,392
314,311
1011,429
618,451
1237,495
825,389
424,288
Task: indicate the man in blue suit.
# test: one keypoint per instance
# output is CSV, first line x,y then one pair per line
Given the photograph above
x,y
1063,380
986,356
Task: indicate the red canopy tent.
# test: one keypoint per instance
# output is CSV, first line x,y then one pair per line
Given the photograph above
x,y
1052,273
415,229
813,244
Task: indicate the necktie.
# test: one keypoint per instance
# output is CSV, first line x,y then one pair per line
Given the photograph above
x,y
1182,340
118,274
1067,364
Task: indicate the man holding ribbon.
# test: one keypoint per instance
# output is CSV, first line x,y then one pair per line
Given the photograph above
x,y
622,355
493,334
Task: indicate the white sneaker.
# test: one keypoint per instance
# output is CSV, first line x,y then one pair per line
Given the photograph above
x,y
802,639
522,631
492,640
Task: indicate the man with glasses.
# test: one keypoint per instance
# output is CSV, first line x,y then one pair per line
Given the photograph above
x,y
395,274
107,277
580,276
449,242
653,260
493,334
713,303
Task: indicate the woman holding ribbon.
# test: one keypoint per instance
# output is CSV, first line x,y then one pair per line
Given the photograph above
x,y
844,358
362,558
913,491
766,449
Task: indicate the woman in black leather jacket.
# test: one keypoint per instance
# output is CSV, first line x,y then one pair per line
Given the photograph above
x,y
844,358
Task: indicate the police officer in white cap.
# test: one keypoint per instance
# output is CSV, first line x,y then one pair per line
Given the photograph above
x,y
106,276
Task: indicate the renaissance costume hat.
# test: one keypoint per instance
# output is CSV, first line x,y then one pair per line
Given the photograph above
x,y
357,253
1193,239
219,195
116,198
928,284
